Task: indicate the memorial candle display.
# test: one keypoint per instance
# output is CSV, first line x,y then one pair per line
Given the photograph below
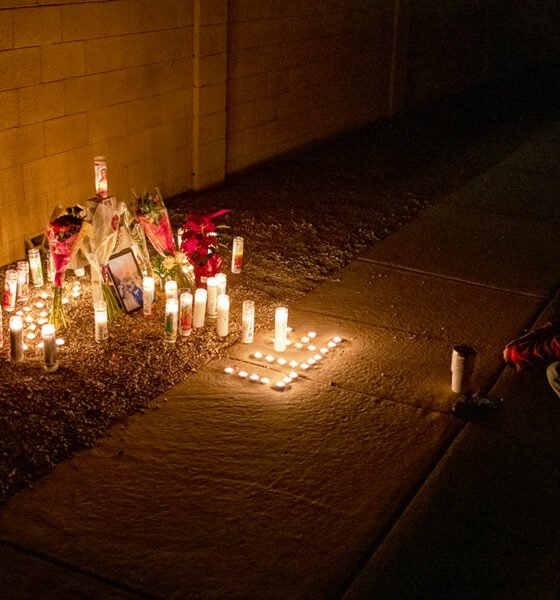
x,y
100,316
148,288
170,289
222,320
171,319
16,338
185,313
221,282
199,310
100,167
248,322
50,351
36,268
237,255
280,329
22,280
10,290
211,297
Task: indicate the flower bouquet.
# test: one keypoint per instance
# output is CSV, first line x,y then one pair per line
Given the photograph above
x,y
154,219
65,234
99,247
200,245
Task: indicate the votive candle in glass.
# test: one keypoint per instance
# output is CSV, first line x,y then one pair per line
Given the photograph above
x,y
50,350
280,329
10,290
199,310
222,320
100,167
100,316
148,289
171,320
221,281
237,255
171,289
211,297
16,338
36,267
185,313
22,280
248,322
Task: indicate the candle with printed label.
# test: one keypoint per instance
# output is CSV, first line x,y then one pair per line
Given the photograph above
x,y
222,321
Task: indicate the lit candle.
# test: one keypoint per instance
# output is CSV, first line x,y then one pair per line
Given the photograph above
x,y
171,289
304,366
229,370
39,305
199,308
280,386
305,339
294,364
311,335
311,348
254,378
293,375
76,294
171,319
36,267
221,282
100,168
258,355
324,350
269,358
65,300
44,296
148,287
16,338
265,380
237,255
243,374
287,379
311,361
222,322
50,351
280,325
185,313
22,280
79,272
212,297
281,361
100,317
248,325
331,345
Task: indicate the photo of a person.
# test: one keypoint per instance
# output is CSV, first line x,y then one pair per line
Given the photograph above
x,y
127,279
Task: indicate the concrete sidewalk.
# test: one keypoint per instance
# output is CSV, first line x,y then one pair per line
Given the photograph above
x,y
357,482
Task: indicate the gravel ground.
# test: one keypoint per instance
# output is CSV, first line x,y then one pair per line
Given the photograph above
x,y
303,217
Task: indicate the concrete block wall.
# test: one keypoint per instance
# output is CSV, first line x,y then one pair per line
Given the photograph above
x,y
80,79
301,71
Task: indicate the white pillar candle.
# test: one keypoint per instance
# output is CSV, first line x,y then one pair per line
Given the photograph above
x,y
248,322
171,289
221,282
199,310
50,351
10,290
280,329
171,319
211,297
36,267
222,321
237,255
22,280
185,313
16,338
148,289
100,317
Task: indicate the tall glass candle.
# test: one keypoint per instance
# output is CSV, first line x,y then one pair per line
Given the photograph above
x,y
100,316
280,329
199,310
221,282
50,268
148,289
50,351
222,319
248,322
36,267
211,297
237,255
10,290
100,167
16,338
171,319
22,280
171,289
185,313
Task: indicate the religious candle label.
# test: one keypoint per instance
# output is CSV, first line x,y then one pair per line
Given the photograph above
x,y
237,255
100,167
10,290
22,280
185,319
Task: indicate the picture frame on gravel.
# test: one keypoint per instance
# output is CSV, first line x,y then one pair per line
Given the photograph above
x,y
127,279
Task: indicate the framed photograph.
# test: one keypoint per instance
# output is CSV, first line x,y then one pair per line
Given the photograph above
x,y
127,279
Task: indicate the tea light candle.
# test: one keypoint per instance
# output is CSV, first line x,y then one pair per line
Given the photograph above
x,y
337,339
254,378
243,374
331,345
287,379
248,322
293,375
170,289
294,364
80,272
280,326
26,309
44,296
324,350
265,380
75,294
100,318
311,335
212,297
304,366
311,361
60,342
298,345
36,267
269,358
305,340
65,300
185,314
257,355
281,361
148,289
222,322
279,386
229,370
50,350
16,338
311,348
221,282
39,305
171,319
199,310
30,335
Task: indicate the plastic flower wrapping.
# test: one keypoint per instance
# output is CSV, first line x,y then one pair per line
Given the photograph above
x,y
65,234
